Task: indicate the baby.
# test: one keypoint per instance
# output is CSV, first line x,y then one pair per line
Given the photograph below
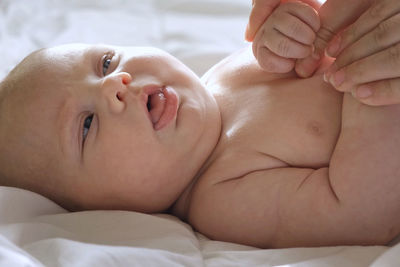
x,y
243,155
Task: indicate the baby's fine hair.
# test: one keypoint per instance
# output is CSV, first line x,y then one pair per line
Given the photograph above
x,y
12,83
23,162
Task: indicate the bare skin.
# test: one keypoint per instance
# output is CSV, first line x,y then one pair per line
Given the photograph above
x,y
267,160
243,155
297,163
362,35
80,130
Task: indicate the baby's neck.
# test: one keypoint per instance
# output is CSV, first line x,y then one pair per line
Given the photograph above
x,y
181,206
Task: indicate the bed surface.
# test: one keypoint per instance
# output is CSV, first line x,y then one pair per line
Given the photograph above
x,y
34,231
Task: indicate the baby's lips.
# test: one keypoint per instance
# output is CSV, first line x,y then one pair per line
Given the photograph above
x,y
170,108
157,103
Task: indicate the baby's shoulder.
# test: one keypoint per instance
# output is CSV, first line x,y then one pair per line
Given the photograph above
x,y
240,69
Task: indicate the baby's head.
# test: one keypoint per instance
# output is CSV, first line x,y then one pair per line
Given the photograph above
x,y
101,127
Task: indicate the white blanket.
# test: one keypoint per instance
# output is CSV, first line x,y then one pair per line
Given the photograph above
x,y
36,232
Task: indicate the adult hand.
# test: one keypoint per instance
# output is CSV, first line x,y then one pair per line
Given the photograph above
x,y
368,55
335,15
368,51
259,13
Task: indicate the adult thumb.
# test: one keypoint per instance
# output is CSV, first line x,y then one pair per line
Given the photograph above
x,y
335,15
259,13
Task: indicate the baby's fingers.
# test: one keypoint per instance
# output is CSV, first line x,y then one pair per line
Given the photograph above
x,y
305,67
334,15
380,93
271,62
295,29
286,47
299,17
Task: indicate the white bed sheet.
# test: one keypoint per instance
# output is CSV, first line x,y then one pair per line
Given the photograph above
x,y
34,231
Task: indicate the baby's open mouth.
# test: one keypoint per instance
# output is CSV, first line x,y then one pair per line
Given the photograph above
x,y
156,105
162,105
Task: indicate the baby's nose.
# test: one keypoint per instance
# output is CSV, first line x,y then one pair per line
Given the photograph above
x,y
114,89
118,79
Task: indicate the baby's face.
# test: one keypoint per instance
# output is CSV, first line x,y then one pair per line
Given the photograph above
x,y
129,128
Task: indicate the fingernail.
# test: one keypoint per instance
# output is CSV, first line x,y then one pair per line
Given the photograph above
x,y
334,47
364,91
326,77
337,78
332,69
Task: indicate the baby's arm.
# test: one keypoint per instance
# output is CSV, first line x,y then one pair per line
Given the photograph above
x,y
287,35
356,200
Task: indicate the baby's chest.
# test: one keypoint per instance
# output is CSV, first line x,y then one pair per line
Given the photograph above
x,y
293,121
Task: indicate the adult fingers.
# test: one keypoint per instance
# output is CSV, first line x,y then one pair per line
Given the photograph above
x,y
259,13
313,3
380,93
377,67
371,18
334,15
385,35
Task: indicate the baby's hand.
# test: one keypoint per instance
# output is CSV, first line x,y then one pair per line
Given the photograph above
x,y
287,35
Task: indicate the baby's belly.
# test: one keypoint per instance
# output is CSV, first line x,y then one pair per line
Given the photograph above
x,y
293,121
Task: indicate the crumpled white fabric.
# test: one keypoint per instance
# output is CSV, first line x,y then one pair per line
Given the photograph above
x,y
200,33
35,231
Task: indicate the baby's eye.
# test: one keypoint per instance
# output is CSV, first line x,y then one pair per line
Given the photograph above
x,y
86,126
106,63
